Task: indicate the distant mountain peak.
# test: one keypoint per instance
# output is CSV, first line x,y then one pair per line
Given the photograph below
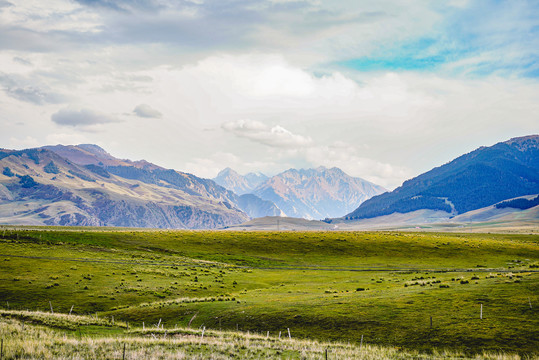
x,y
233,181
227,171
316,193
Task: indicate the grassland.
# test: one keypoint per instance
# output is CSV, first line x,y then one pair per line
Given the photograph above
x,y
328,286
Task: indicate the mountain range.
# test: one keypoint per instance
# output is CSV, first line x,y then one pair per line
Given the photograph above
x,y
85,185
305,193
472,181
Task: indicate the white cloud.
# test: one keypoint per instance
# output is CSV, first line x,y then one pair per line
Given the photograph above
x,y
53,15
275,136
81,118
146,111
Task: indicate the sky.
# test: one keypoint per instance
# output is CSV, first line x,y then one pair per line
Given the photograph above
x,y
383,89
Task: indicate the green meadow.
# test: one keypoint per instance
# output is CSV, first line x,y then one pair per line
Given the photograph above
x,y
420,293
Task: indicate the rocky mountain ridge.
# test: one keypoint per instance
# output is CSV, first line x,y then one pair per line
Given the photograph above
x,y
84,185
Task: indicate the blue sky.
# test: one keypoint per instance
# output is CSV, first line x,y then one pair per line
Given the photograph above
x,y
503,36
383,89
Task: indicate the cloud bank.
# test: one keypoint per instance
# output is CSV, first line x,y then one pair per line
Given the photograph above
x,y
385,89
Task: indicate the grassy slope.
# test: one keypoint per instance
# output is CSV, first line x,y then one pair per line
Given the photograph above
x,y
46,336
303,281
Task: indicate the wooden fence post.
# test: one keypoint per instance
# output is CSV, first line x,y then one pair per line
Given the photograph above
x,y
70,310
326,353
123,356
290,337
481,312
1,349
361,343
50,303
431,322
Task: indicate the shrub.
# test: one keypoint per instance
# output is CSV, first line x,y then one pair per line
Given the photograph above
x,y
27,181
7,172
51,168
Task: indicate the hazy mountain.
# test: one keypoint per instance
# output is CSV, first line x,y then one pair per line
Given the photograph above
x,y
240,184
475,180
316,193
84,185
256,207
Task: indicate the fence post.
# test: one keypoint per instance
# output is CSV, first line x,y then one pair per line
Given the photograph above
x,y
71,309
481,312
431,322
1,349
361,343
326,353
123,356
290,337
52,312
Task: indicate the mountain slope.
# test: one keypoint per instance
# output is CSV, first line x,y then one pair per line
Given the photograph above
x,y
472,181
316,193
37,186
93,156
